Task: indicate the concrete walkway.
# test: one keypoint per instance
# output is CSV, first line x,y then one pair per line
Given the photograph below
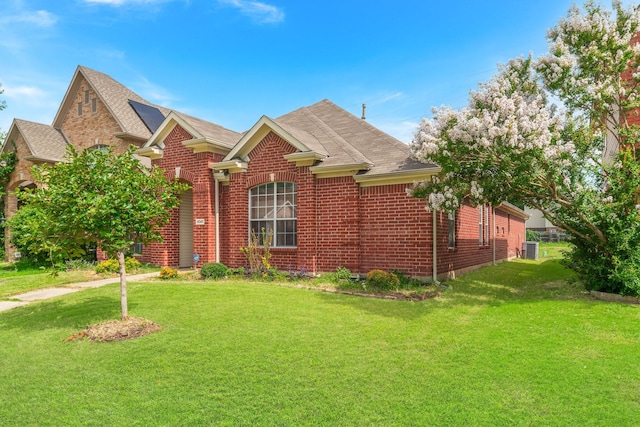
x,y
42,294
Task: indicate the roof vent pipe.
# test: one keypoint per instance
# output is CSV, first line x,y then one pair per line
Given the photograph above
x,y
364,112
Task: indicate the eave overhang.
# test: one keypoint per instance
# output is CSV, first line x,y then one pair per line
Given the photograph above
x,y
305,158
230,166
153,152
36,159
401,177
513,210
131,137
207,145
339,170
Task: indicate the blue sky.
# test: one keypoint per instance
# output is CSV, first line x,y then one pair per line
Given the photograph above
x,y
232,61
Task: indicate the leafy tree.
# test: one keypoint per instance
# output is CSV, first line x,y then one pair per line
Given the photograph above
x,y
578,164
95,196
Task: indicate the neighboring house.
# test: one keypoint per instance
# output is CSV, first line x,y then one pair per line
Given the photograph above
x,y
537,222
331,187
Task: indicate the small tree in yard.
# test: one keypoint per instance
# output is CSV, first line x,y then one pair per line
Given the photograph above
x,y
97,196
512,144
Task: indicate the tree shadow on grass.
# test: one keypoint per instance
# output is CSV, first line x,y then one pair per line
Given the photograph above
x,y
62,313
515,282
406,310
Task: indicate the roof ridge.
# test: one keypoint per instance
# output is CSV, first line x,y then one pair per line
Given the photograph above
x,y
353,152
371,128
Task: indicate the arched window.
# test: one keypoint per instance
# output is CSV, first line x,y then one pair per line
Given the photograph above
x,y
272,208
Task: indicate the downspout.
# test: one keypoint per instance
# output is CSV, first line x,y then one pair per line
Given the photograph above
x,y
493,210
217,215
435,247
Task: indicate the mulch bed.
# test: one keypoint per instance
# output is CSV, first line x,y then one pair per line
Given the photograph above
x,y
116,330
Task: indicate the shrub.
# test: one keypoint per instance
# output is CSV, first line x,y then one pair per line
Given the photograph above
x,y
240,271
533,236
258,254
340,275
78,264
167,273
408,281
382,281
111,265
214,270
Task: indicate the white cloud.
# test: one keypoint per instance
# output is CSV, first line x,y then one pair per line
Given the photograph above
x,y
22,92
125,2
153,92
401,130
261,13
385,97
40,18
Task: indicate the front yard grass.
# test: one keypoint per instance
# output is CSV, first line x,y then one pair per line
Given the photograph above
x,y
505,346
24,278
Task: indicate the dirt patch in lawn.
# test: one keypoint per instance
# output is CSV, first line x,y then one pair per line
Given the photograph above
x,y
116,330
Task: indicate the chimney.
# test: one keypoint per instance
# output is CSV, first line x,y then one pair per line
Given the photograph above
x,y
364,112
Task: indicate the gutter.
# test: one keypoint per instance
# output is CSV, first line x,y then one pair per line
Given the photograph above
x,y
435,247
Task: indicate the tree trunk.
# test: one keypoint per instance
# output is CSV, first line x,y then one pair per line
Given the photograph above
x,y
123,286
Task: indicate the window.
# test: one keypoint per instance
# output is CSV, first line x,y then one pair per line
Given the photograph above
x,y
94,105
86,96
483,225
452,230
272,207
79,108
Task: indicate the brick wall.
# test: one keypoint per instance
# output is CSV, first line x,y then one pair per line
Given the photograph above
x,y
192,168
396,231
91,128
342,224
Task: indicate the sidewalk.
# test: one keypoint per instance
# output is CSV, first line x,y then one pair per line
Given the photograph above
x,y
42,294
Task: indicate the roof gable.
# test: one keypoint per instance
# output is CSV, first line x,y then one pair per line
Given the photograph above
x,y
113,95
301,140
44,142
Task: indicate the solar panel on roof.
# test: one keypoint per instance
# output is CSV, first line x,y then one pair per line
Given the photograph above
x,y
150,116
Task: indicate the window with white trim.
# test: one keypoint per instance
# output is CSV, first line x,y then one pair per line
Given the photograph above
x,y
272,208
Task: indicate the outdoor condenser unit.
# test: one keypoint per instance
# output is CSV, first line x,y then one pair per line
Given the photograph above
x,y
530,250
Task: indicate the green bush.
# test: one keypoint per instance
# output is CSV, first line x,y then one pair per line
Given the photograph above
x,y
214,270
78,264
339,276
111,265
533,236
380,280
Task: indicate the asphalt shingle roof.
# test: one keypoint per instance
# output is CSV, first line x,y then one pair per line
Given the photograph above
x,y
348,139
44,141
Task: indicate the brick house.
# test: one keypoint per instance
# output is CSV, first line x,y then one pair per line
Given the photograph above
x,y
328,185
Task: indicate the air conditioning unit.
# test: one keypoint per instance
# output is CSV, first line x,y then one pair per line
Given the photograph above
x,y
530,250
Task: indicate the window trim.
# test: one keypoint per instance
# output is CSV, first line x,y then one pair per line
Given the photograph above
x,y
275,221
484,224
451,221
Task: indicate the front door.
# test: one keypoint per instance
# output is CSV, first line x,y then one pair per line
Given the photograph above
x,y
186,229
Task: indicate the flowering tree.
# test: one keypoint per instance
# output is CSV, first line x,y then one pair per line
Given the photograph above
x,y
578,164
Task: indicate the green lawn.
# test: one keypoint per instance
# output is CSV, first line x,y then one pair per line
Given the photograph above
x,y
507,345
23,279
